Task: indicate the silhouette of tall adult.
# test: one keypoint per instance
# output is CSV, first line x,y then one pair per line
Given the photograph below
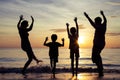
x,y
99,40
25,43
73,35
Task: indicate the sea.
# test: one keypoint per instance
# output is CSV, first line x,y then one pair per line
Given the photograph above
x,y
12,58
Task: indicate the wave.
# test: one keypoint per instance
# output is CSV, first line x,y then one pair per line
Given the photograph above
x,y
105,65
47,69
69,58
109,65
4,59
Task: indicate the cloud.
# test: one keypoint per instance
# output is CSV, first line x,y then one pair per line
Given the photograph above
x,y
113,34
58,30
40,1
1,33
81,26
64,30
114,3
114,16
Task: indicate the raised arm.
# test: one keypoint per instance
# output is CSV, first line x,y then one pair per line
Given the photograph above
x,y
45,41
63,41
105,20
90,20
21,18
67,24
31,26
77,28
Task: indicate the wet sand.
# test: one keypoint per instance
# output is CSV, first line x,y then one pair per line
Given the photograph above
x,y
59,76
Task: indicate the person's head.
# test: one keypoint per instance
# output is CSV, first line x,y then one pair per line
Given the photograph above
x,y
73,30
24,24
98,20
54,37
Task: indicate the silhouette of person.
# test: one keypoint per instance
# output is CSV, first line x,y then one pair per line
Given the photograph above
x,y
73,35
99,40
53,51
25,43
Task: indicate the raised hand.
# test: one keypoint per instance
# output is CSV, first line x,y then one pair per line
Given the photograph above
x,y
75,19
21,17
32,18
46,39
67,24
63,39
101,12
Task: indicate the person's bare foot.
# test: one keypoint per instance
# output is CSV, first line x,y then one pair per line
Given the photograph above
x,y
39,61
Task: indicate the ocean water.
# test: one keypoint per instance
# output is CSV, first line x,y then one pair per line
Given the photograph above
x,y
16,58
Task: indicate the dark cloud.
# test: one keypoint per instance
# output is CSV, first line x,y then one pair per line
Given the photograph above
x,y
4,1
113,34
40,1
3,33
64,30
114,3
81,26
114,16
58,30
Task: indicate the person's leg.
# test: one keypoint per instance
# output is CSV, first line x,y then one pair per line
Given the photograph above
x,y
51,63
54,68
27,63
94,54
77,59
98,61
100,66
35,58
76,66
72,61
72,66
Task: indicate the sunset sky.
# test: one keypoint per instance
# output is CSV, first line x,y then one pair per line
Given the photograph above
x,y
51,17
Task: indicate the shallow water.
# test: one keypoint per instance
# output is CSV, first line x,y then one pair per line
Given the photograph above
x,y
17,58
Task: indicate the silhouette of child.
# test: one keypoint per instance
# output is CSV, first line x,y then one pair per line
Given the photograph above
x,y
99,40
25,43
53,51
73,35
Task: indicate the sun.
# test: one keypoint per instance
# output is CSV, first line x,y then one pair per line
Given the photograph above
x,y
81,40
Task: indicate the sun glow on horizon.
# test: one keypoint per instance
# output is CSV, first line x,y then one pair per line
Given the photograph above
x,y
81,40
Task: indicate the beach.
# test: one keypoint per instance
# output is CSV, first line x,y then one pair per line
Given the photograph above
x,y
85,37
13,60
44,73
59,76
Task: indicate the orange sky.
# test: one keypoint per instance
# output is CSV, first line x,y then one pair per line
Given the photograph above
x,y
52,15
